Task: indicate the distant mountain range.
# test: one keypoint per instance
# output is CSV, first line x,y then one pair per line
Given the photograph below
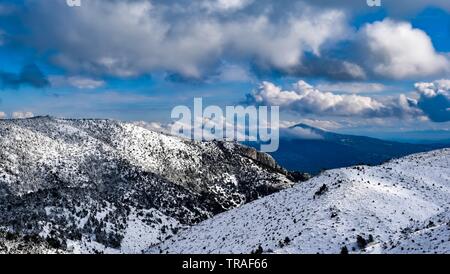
x,y
322,150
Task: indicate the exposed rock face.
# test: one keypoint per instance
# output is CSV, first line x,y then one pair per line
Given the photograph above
x,y
100,185
263,158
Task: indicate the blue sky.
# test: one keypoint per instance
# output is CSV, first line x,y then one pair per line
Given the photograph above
x,y
340,65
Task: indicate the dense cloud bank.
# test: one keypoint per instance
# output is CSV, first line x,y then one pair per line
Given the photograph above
x,y
302,98
306,99
195,38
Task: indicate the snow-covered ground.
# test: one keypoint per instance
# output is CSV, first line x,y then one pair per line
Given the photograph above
x,y
89,185
402,206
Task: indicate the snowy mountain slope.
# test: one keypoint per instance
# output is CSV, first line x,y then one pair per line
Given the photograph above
x,y
10,242
100,185
431,236
364,209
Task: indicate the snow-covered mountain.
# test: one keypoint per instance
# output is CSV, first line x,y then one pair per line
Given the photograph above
x,y
402,206
105,186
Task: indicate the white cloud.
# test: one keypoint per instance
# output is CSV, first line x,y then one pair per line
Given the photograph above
x,y
282,46
321,124
22,115
224,5
135,37
85,83
305,99
194,38
300,133
433,102
439,87
3,115
435,99
397,50
76,81
352,87
232,73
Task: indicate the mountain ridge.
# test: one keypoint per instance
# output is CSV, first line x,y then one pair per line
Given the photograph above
x,y
320,150
94,185
398,207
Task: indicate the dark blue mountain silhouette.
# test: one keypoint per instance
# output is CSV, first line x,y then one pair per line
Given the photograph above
x,y
333,150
